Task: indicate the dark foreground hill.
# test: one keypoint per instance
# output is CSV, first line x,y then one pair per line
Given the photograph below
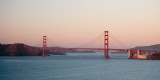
x,y
19,50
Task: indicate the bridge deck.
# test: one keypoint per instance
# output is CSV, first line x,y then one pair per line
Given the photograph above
x,y
100,49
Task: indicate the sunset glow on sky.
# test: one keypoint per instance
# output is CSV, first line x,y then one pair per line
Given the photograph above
x,y
71,23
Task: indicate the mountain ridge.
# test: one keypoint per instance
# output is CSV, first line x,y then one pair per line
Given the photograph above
x,y
150,47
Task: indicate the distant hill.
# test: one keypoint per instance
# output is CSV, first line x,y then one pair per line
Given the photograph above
x,y
151,47
69,51
19,49
154,56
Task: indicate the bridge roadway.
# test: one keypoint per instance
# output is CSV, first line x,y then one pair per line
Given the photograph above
x,y
100,49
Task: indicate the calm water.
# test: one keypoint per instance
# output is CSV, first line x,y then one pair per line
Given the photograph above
x,y
78,67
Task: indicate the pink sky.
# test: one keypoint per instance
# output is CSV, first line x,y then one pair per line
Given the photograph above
x,y
71,23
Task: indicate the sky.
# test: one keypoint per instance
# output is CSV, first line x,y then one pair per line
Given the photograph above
x,y
71,23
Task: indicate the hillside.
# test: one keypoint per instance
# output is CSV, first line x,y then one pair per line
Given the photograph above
x,y
154,56
151,47
19,49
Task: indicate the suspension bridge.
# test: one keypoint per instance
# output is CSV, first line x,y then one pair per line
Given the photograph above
x,y
132,53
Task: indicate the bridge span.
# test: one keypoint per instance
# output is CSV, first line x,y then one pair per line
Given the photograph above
x,y
132,53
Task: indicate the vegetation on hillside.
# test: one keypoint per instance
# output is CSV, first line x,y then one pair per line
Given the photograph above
x,y
156,56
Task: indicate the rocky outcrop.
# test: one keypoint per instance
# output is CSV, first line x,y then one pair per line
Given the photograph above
x,y
19,49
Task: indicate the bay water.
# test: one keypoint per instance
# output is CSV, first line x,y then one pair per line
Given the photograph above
x,y
78,66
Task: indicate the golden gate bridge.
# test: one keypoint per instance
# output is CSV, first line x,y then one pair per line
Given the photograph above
x,y
132,53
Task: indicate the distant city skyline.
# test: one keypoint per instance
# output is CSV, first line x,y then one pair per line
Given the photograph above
x,y
71,23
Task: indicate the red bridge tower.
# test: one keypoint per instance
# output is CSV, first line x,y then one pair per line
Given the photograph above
x,y
44,45
106,44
